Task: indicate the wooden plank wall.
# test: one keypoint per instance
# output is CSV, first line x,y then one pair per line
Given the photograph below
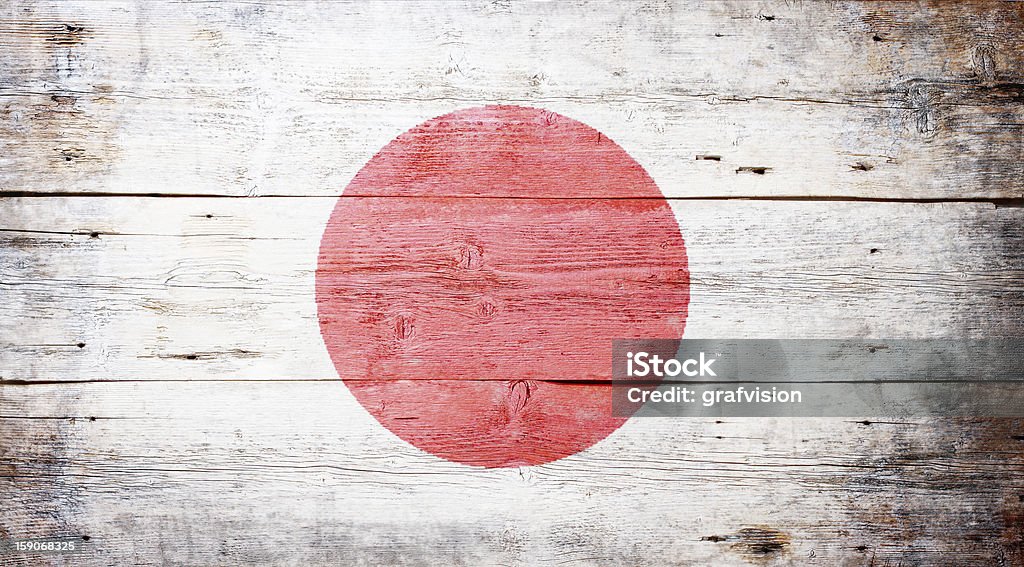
x,y
838,169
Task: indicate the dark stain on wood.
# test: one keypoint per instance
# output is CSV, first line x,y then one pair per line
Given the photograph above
x,y
754,543
1013,531
54,129
208,355
70,154
67,35
63,99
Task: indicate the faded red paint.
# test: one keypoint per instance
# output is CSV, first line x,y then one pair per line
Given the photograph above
x,y
479,329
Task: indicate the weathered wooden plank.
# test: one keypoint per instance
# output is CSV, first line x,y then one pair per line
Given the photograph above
x,y
152,288
208,427
165,473
875,100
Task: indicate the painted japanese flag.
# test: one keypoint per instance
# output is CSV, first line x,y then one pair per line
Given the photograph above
x,y
473,275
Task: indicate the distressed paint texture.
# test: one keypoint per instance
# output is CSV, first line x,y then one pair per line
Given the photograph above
x,y
447,315
841,169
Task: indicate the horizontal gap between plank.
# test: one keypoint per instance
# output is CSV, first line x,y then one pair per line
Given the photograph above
x,y
997,201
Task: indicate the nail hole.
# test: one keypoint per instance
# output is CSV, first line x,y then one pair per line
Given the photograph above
x,y
94,235
874,250
80,345
876,37
86,538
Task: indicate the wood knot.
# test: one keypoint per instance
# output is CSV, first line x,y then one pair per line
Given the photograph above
x,y
404,327
984,62
486,309
920,98
471,257
519,393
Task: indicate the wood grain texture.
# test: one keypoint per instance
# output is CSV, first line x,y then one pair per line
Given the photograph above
x,y
195,288
297,473
878,100
164,389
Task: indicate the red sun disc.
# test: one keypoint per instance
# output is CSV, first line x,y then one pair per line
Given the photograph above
x,y
473,275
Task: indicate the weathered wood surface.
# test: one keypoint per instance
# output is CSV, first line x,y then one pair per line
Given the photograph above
x,y
200,288
881,100
164,389
297,473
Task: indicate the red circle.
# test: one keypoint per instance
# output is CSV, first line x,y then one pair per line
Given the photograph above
x,y
473,275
